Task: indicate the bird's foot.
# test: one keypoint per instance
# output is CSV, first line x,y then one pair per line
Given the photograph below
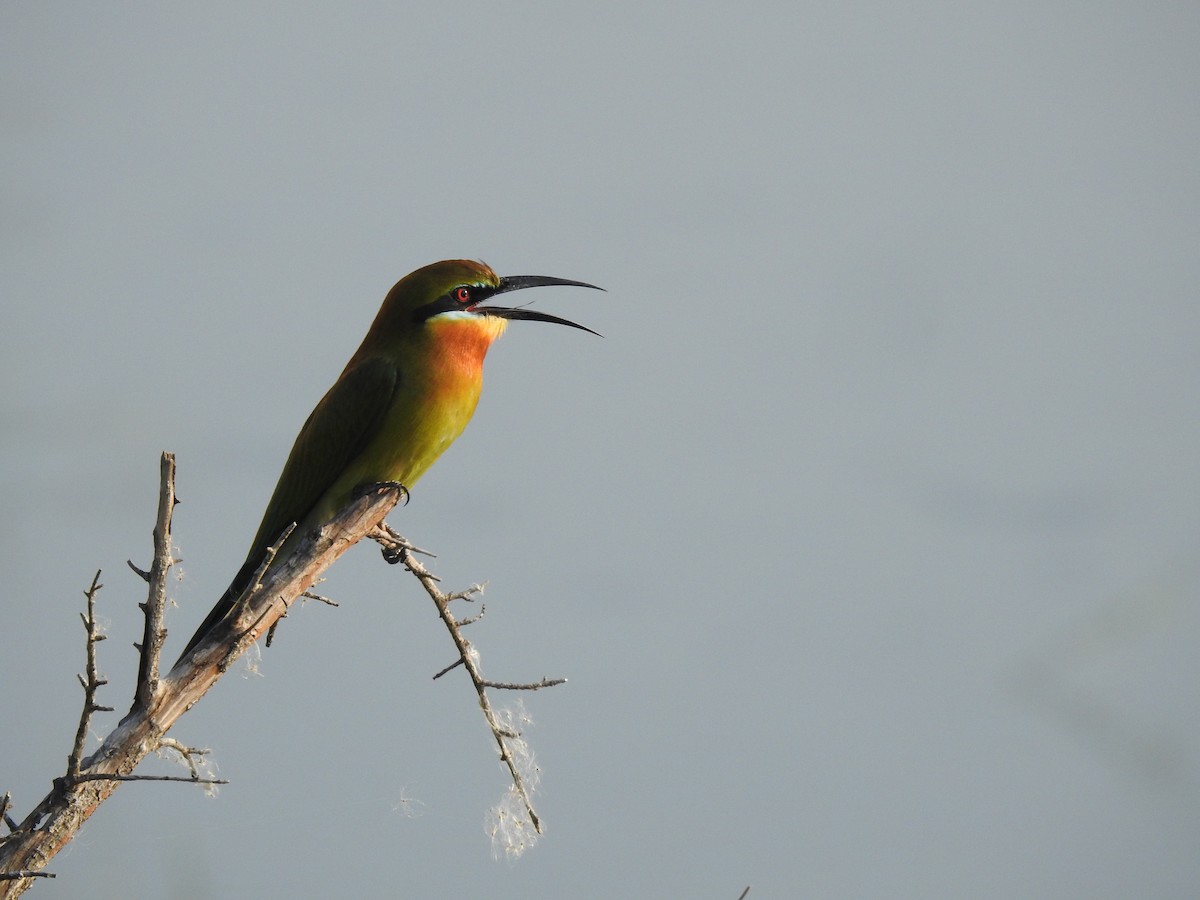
x,y
364,489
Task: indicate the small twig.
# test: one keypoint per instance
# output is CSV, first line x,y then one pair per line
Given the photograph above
x,y
742,895
534,686
155,634
397,548
26,873
92,683
450,668
309,595
100,776
5,806
256,582
471,620
395,544
189,755
75,796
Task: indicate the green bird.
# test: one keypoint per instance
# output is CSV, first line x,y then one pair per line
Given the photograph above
x,y
406,394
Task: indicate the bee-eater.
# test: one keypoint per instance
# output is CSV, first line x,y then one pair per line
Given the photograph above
x,y
406,394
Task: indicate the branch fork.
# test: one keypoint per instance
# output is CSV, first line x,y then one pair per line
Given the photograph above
x,y
513,751
159,700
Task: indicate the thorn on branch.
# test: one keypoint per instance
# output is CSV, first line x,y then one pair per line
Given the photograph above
x,y
155,633
256,582
395,547
193,756
450,668
5,806
513,750
471,620
30,843
269,557
468,594
93,681
308,595
312,596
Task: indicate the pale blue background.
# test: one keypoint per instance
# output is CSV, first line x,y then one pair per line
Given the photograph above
x,y
867,536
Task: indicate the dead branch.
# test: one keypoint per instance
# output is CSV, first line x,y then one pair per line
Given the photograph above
x,y
80,779
162,700
159,700
155,634
397,548
307,595
193,756
93,683
526,686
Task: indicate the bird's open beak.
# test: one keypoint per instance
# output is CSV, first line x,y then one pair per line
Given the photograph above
x,y
520,282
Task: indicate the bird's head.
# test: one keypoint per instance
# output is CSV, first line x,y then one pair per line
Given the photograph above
x,y
452,294
458,288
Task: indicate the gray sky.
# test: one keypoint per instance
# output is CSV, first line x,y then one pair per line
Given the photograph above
x,y
866,537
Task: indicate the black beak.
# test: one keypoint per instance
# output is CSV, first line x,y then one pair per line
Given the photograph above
x,y
520,282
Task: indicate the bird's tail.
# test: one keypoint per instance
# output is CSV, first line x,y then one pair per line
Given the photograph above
x,y
223,607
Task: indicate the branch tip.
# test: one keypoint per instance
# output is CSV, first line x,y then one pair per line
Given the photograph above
x,y
513,750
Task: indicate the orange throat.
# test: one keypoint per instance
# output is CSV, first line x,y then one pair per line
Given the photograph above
x,y
461,344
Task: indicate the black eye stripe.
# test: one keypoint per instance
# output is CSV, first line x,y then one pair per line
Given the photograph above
x,y
454,299
469,294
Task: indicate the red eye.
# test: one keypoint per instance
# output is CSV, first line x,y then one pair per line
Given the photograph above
x,y
462,295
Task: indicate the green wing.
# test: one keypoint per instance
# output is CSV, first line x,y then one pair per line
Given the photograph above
x,y
337,431
341,426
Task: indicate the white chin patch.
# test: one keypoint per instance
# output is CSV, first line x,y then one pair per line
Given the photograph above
x,y
456,314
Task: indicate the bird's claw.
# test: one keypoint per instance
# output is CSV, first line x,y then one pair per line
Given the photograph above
x,y
364,489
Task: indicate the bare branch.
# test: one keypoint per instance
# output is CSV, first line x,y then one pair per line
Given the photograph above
x,y
193,756
156,601
161,699
471,620
309,595
256,582
530,686
141,573
450,668
75,796
397,548
81,779
93,682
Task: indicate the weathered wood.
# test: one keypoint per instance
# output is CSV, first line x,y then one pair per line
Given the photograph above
x,y
69,804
